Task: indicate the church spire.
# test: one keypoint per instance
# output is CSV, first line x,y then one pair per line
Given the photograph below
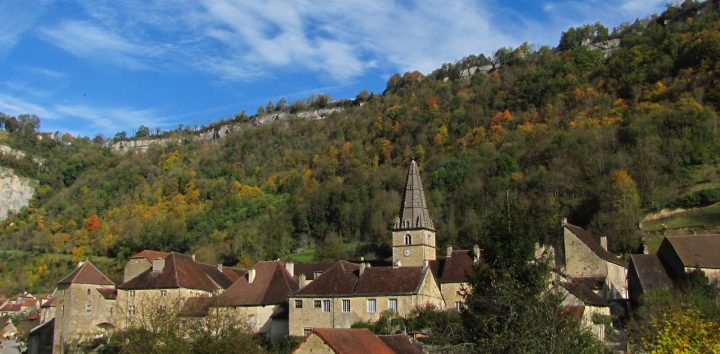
x,y
414,213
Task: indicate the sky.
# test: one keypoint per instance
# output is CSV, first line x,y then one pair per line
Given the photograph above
x,y
103,66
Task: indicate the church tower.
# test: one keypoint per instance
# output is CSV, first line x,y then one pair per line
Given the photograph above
x,y
413,233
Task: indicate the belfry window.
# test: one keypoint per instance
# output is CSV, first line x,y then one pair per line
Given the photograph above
x,y
408,240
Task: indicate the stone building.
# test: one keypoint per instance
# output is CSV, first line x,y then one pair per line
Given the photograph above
x,y
348,293
167,283
261,297
676,257
584,259
451,272
85,306
353,341
583,304
413,235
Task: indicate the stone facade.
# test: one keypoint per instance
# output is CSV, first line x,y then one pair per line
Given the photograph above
x,y
413,247
580,260
314,345
81,313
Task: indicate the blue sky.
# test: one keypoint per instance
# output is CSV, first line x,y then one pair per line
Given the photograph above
x,y
99,67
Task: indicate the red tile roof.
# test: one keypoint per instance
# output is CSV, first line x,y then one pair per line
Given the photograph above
x,y
29,302
8,307
180,271
87,274
590,241
344,278
50,303
310,269
271,286
454,269
352,341
697,250
400,344
150,255
585,294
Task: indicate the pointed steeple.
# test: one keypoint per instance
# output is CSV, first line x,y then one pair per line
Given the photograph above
x,y
414,213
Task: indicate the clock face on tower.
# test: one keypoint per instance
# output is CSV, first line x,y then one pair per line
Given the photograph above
x,y
406,253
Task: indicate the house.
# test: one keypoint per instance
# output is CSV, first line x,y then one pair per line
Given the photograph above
x,y
8,330
47,310
451,273
646,273
582,257
40,338
683,254
584,305
82,305
676,257
167,283
353,341
261,295
348,293
141,262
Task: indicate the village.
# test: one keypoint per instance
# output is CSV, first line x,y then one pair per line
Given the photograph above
x,y
321,301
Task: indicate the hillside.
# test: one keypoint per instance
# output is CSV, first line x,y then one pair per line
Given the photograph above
x,y
563,132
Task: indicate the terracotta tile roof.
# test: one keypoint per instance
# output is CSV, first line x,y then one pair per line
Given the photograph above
x,y
400,344
233,273
352,341
8,307
87,274
649,271
33,316
108,294
454,269
29,302
180,271
150,255
388,280
585,294
2,302
575,313
344,278
196,306
271,286
340,278
309,269
590,241
697,250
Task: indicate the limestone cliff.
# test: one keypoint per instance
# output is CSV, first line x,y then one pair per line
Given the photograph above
x,y
15,192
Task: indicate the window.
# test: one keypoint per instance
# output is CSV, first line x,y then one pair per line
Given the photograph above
x,y
131,293
88,292
458,306
346,305
307,331
130,310
298,304
316,274
408,240
392,305
163,293
62,310
371,305
88,309
317,304
326,305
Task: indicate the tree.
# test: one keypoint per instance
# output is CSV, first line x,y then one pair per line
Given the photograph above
x,y
142,132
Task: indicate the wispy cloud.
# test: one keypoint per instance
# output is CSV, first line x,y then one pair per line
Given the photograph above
x,y
14,106
87,40
17,17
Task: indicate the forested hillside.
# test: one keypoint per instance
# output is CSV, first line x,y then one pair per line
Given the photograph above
x,y
563,132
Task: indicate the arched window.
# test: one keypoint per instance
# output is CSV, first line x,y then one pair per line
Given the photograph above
x,y
408,240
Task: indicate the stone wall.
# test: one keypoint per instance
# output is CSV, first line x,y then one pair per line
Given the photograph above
x,y
15,192
80,309
580,260
422,247
314,345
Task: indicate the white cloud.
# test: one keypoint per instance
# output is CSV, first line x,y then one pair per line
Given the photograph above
x,y
112,118
15,106
87,40
17,17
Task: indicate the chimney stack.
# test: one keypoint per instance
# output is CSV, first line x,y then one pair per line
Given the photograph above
x,y
158,264
603,242
220,267
193,257
362,268
426,264
302,280
397,264
476,253
448,253
564,221
251,275
290,266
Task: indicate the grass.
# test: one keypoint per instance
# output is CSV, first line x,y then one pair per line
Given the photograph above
x,y
305,255
699,220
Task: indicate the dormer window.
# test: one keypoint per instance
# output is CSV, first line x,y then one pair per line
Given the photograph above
x,y
408,240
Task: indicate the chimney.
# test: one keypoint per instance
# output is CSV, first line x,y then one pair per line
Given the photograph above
x,y
397,264
193,257
564,221
448,253
251,275
362,268
476,253
290,266
158,264
302,280
603,242
220,267
426,264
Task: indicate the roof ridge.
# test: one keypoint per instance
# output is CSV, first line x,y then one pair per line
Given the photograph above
x,y
177,279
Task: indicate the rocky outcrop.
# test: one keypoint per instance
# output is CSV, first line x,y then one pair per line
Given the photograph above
x,y
15,192
221,132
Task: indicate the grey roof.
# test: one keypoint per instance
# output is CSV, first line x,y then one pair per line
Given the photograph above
x,y
697,250
649,271
413,211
